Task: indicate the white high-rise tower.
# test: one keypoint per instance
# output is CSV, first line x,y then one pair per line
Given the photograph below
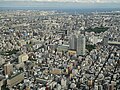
x,y
81,43
73,42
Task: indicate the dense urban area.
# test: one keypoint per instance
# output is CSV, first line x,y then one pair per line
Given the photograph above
x,y
50,50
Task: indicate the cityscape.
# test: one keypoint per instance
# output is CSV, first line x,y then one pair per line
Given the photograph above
x,y
58,48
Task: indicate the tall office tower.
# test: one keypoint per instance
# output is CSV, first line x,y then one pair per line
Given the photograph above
x,y
81,42
105,40
73,42
8,69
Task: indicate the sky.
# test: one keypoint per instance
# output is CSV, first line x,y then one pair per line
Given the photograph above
x,y
81,1
67,4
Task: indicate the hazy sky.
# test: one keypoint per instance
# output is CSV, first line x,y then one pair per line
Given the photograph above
x,y
68,4
82,1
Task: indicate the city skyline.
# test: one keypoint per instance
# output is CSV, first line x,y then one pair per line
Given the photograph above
x,y
59,45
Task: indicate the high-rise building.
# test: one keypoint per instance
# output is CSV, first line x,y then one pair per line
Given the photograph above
x,y
73,42
105,40
8,69
81,45
78,44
